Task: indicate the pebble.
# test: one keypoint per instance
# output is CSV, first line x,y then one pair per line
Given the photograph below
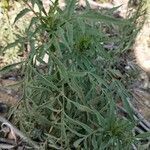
x,y
3,107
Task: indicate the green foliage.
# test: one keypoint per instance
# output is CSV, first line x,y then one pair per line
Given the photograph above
x,y
72,101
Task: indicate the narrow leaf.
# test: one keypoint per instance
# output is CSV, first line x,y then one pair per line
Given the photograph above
x,y
143,135
84,126
21,14
77,142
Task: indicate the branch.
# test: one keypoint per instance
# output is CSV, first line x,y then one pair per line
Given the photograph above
x,y
18,133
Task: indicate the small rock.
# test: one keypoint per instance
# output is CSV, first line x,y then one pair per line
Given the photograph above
x,y
3,108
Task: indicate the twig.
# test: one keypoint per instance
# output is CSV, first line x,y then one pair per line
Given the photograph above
x,y
139,115
134,147
138,130
142,118
3,140
19,133
144,124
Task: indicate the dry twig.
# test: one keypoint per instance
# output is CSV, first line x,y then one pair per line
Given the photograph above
x,y
19,133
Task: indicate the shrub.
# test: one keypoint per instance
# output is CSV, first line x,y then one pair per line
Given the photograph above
x,y
70,100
